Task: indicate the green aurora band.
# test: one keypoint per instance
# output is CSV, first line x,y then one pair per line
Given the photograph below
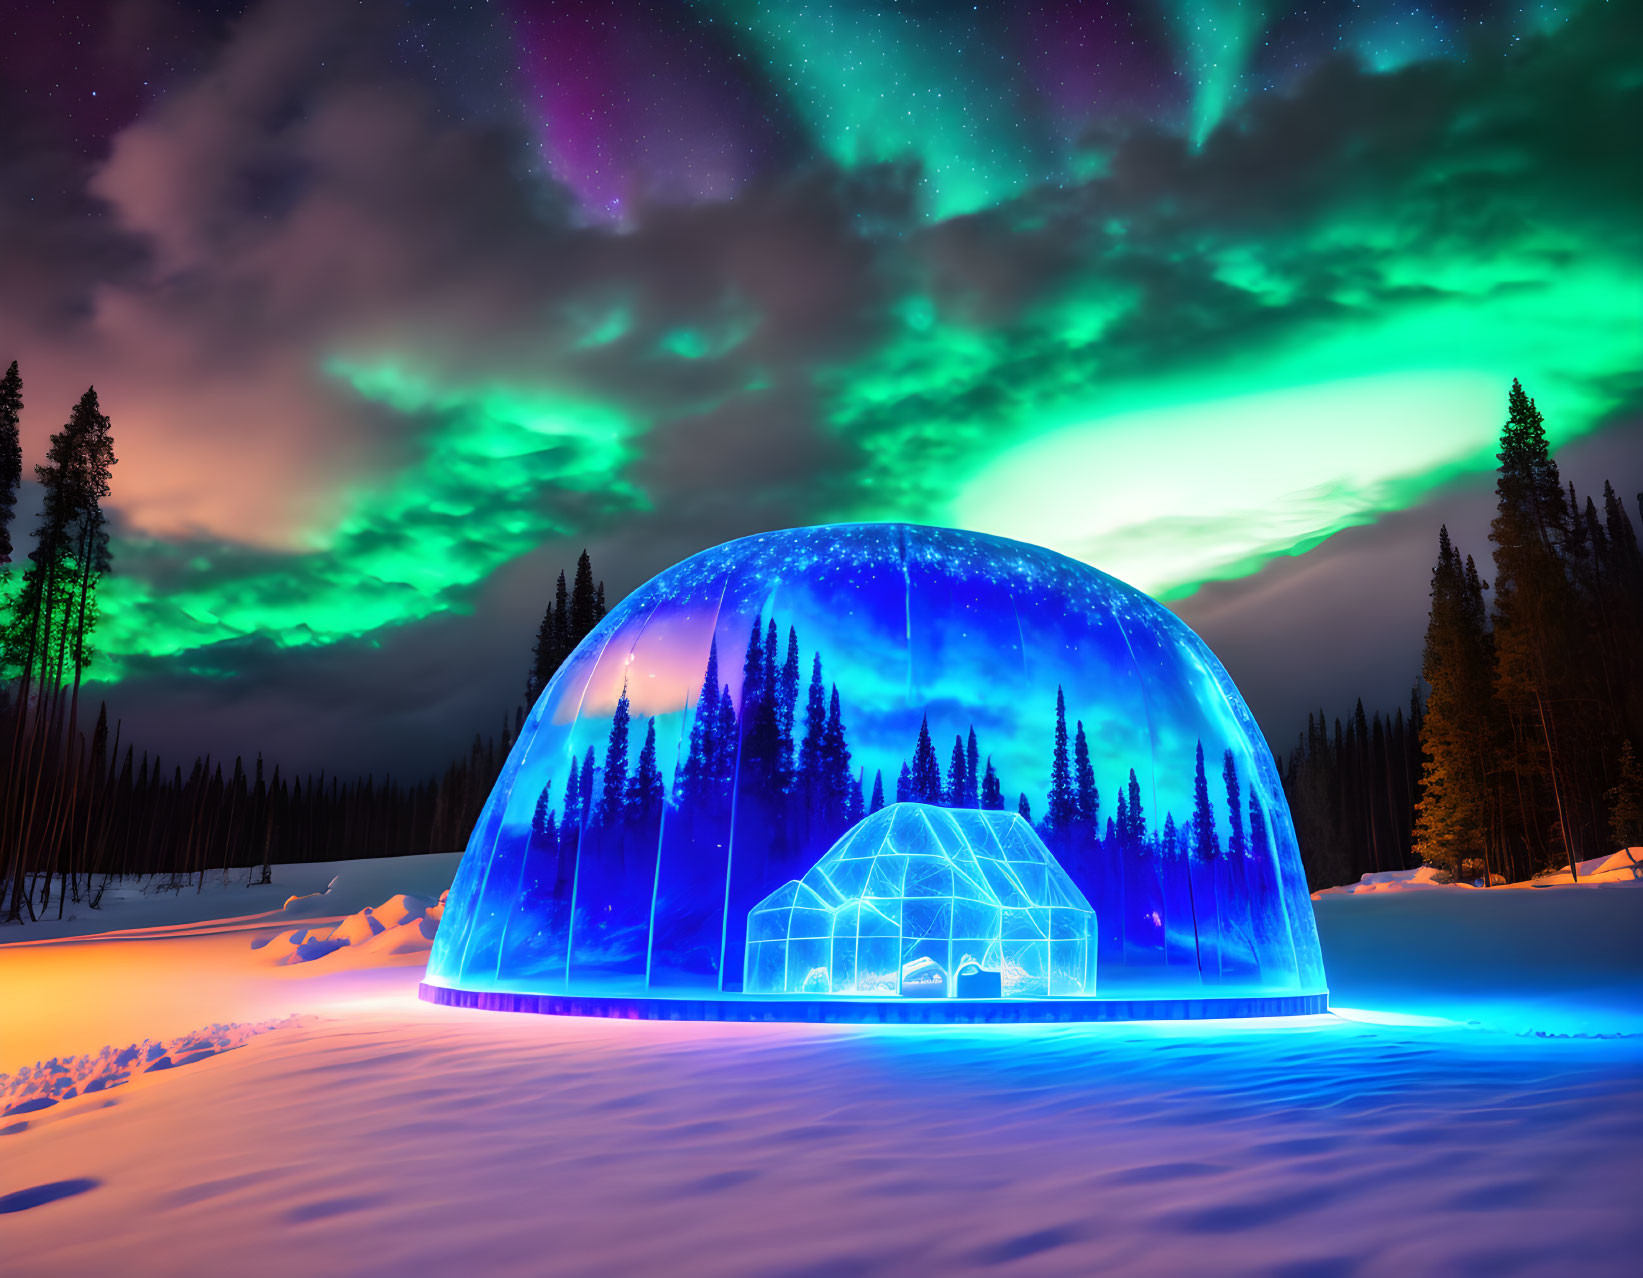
x,y
1199,390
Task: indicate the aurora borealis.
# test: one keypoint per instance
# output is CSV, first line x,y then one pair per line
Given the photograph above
x,y
396,306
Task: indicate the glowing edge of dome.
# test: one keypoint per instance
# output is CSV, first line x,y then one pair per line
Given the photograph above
x,y
880,1011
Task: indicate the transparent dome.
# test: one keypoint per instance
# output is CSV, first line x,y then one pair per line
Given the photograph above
x,y
729,721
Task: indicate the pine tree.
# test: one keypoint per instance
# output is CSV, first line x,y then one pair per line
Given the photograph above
x,y
541,819
1138,819
584,602
836,763
972,763
616,762
1206,844
815,727
761,747
1626,801
725,751
1260,846
992,793
925,785
1086,798
904,785
1236,847
1024,808
1062,810
701,766
11,454
561,617
587,787
786,702
1534,611
878,793
958,782
573,804
547,654
1452,815
645,790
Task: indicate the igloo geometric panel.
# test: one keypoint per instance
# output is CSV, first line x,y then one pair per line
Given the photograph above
x,y
727,724
928,902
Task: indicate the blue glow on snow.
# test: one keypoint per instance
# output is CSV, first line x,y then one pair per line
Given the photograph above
x,y
734,717
928,897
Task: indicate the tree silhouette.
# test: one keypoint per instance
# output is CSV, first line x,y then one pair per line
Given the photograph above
x,y
992,794
1086,798
1061,810
787,692
1452,815
815,728
616,763
586,601
972,774
958,782
925,782
1260,849
645,790
1236,848
1206,844
1136,835
11,454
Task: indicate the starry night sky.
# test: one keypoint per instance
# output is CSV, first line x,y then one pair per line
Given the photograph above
x,y
396,306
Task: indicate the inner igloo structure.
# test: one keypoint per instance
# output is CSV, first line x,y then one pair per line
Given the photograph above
x,y
735,724
927,900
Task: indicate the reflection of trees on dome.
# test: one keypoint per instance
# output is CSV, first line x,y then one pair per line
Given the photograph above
x,y
914,894
655,800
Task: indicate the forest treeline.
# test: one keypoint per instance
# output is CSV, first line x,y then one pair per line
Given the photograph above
x,y
80,805
764,785
1525,754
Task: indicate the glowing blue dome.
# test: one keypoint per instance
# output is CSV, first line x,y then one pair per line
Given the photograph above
x,y
732,718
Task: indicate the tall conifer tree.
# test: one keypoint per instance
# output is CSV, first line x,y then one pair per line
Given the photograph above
x,y
1237,849
958,781
992,793
1062,809
925,782
972,764
1086,798
585,606
616,762
11,454
1452,816
1206,843
644,797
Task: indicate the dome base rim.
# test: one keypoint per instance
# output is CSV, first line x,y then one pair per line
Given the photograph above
x,y
885,1011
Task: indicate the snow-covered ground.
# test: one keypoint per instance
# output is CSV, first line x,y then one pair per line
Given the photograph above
x,y
1625,866
1476,1106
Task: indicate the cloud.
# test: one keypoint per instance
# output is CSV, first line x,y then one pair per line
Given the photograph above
x,y
375,376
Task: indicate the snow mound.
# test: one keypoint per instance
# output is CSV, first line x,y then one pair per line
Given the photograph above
x,y
1420,879
47,1083
1625,866
404,924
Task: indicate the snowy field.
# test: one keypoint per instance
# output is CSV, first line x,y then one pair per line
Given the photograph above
x,y
1475,1106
